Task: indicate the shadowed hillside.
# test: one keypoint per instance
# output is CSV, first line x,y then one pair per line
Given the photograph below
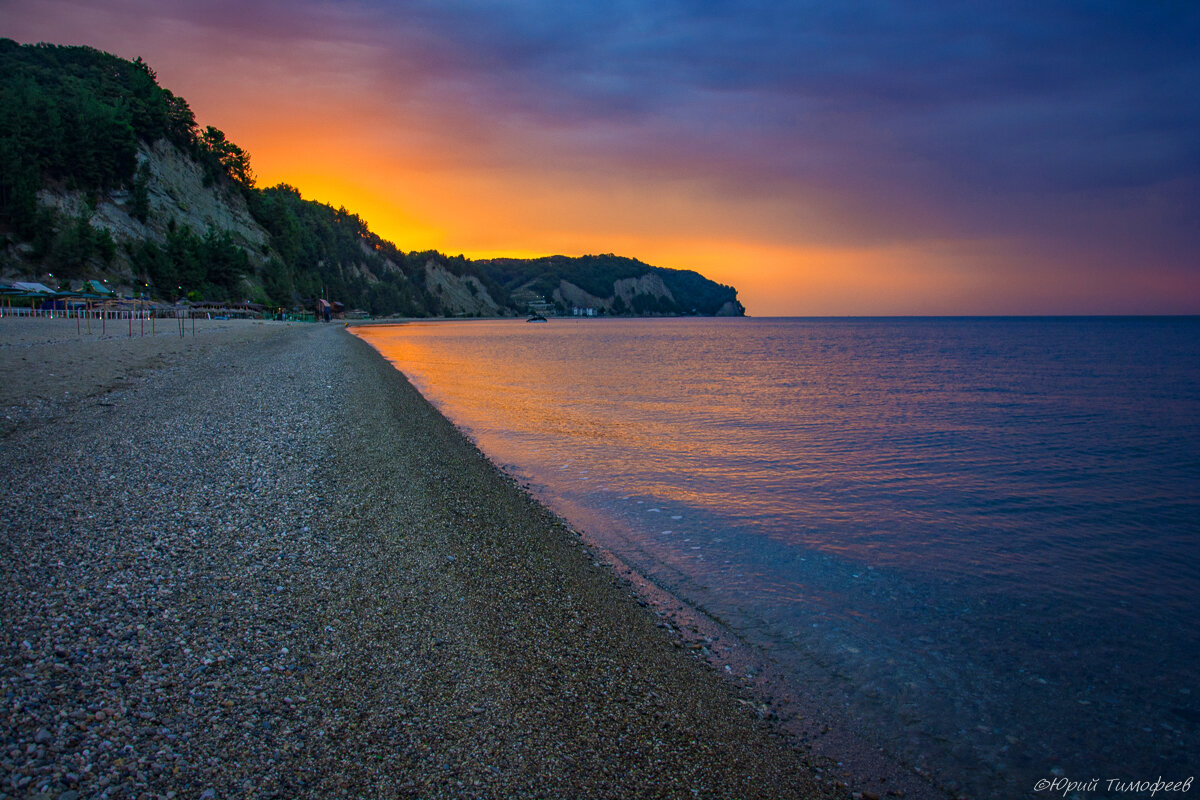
x,y
106,174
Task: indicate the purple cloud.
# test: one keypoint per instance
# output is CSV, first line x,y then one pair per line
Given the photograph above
x,y
1073,124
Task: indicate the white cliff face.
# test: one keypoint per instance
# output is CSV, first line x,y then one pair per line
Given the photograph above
x,y
179,194
459,294
730,309
570,295
649,283
176,190
627,289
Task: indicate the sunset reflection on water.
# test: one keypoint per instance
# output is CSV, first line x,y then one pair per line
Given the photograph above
x,y
972,502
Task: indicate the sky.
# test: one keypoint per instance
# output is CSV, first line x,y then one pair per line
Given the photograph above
x,y
856,157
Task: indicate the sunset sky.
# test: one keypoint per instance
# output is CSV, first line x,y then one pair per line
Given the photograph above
x,y
870,157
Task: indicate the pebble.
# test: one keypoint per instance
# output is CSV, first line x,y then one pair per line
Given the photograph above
x,y
245,590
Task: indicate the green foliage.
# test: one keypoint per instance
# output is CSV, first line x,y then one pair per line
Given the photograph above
x,y
651,304
226,262
696,294
211,266
78,116
277,282
223,158
18,188
596,275
76,244
327,252
139,206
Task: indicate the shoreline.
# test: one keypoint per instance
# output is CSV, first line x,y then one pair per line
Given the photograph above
x,y
813,719
279,570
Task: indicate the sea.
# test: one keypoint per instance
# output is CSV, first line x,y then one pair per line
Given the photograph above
x,y
973,542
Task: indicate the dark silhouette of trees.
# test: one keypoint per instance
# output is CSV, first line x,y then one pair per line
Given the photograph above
x,y
78,117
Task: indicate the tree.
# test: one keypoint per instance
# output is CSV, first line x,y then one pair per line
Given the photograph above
x,y
140,200
232,160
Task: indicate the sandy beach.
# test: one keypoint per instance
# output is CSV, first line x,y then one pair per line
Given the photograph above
x,y
254,562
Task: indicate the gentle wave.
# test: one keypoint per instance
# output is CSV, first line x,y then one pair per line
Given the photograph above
x,y
968,518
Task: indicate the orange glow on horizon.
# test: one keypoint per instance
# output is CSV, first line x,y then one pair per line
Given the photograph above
x,y
450,155
427,202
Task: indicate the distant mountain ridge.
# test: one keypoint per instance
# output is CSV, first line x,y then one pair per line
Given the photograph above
x,y
105,174
615,284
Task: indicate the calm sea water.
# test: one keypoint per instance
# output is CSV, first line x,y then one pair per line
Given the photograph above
x,y
978,538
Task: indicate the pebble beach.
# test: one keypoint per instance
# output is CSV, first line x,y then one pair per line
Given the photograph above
x,y
253,561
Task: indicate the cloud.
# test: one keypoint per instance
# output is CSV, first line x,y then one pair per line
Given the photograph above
x,y
1067,129
1015,94
874,99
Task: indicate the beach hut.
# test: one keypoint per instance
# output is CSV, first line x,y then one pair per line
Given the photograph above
x,y
33,288
35,293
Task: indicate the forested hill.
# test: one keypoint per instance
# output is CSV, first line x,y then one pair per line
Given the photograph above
x,y
619,285
106,174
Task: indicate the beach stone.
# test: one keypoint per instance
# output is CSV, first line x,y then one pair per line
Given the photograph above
x,y
255,457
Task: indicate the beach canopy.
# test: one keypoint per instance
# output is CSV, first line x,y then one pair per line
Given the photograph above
x,y
32,288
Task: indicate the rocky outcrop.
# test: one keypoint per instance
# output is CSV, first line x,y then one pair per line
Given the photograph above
x,y
185,217
731,309
648,284
571,295
459,295
177,191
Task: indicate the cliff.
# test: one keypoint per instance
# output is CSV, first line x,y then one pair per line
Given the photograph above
x,y
178,195
105,174
612,284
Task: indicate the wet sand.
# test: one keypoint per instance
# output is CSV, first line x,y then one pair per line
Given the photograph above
x,y
257,563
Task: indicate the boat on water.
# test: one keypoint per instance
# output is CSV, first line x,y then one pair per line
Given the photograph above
x,y
536,318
